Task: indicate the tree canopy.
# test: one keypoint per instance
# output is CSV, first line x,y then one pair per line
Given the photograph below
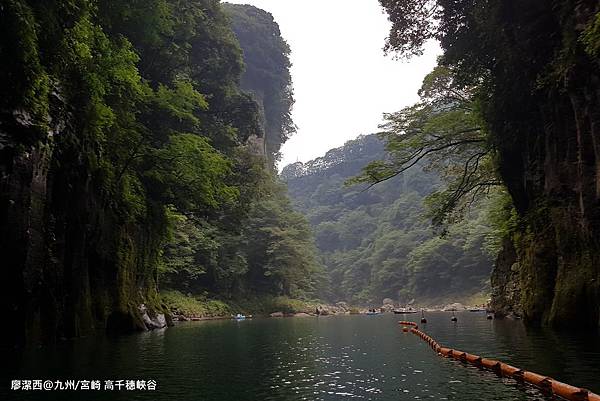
x,y
131,118
532,68
443,133
378,243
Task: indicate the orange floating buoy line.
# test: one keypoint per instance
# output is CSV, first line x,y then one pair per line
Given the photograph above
x,y
546,384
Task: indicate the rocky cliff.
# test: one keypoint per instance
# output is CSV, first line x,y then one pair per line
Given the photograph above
x,y
545,120
71,264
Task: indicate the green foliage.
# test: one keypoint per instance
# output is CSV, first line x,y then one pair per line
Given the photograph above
x,y
502,219
520,60
281,254
443,133
267,73
194,306
203,307
245,238
181,102
26,84
413,23
192,174
266,304
191,249
591,37
140,108
266,250
377,243
533,69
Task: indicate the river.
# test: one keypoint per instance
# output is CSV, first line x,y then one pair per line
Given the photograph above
x,y
325,358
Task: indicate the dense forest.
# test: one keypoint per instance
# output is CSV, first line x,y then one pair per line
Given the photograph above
x,y
140,193
514,103
379,243
138,144
133,160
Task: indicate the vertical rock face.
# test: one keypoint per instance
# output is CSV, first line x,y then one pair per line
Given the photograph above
x,y
506,295
549,148
68,266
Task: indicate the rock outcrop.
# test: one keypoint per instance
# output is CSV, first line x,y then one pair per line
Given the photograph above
x,y
545,121
71,264
506,295
151,319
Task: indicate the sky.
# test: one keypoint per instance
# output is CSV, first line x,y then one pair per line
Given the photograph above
x,y
343,82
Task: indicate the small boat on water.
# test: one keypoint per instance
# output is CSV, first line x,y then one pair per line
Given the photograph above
x,y
477,310
372,312
239,316
404,311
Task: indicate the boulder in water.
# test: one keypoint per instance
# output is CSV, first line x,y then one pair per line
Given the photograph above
x,y
302,314
156,321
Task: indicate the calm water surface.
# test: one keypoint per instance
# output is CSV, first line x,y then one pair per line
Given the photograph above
x,y
326,358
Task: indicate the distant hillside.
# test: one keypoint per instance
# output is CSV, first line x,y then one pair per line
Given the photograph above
x,y
375,243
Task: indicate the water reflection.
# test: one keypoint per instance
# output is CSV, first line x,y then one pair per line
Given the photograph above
x,y
326,358
570,356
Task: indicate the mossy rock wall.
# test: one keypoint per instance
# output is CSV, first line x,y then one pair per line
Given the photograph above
x,y
545,121
71,263
548,272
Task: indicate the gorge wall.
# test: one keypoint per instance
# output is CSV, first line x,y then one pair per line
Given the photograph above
x,y
533,67
137,151
71,262
114,118
545,121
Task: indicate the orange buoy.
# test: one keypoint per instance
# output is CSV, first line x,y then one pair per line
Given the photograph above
x,y
534,378
544,383
461,356
491,365
508,370
473,359
445,351
569,392
593,397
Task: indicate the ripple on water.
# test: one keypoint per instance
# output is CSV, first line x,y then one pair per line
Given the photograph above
x,y
335,358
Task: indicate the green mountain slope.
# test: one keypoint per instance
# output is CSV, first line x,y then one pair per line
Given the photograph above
x,y
376,243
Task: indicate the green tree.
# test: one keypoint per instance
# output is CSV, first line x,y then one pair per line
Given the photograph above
x,y
124,155
533,66
443,132
381,246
